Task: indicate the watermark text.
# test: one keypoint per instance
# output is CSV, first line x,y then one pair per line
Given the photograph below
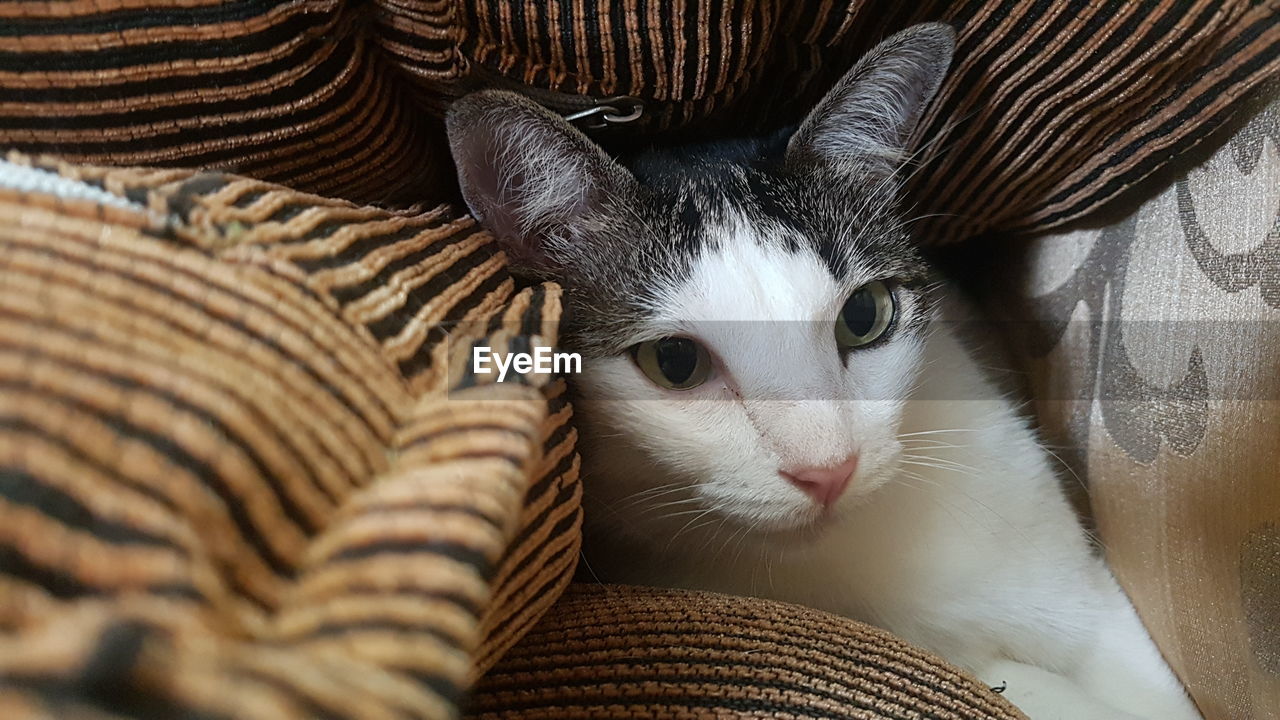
x,y
542,361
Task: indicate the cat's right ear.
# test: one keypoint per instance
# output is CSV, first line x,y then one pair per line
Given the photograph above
x,y
865,122
528,175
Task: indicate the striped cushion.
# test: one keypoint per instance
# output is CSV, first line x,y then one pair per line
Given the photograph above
x,y
236,479
1053,107
278,90
642,654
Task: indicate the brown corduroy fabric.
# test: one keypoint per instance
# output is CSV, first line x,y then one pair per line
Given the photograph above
x,y
624,652
233,479
1052,108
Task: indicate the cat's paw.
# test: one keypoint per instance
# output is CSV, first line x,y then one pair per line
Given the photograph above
x,y
1125,668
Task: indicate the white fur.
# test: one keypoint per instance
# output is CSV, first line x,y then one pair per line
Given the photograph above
x,y
954,533
553,182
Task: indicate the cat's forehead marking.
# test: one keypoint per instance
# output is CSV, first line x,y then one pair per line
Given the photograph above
x,y
742,238
765,309
842,225
746,269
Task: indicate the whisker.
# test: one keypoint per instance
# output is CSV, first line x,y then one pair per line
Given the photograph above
x,y
679,532
587,564
670,503
936,432
936,444
1066,467
940,464
972,472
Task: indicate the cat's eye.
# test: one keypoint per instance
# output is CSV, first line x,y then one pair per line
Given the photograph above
x,y
677,363
866,315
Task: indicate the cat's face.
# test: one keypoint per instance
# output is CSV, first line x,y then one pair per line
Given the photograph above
x,y
752,322
760,362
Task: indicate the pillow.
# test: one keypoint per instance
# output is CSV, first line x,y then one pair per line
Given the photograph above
x,y
237,477
1050,110
610,651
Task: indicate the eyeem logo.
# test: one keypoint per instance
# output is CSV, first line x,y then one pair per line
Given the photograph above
x,y
542,361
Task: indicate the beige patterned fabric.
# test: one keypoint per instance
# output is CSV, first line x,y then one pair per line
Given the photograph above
x,y
1155,357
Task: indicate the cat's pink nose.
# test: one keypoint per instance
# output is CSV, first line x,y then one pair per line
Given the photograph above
x,y
823,484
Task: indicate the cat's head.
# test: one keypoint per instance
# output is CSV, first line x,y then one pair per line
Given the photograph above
x,y
751,317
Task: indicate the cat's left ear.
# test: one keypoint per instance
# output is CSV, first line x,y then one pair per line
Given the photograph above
x,y
532,178
867,119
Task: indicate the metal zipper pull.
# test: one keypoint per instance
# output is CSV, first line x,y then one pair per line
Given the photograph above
x,y
588,112
618,110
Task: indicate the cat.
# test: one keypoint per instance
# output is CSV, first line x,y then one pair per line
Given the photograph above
x,y
775,399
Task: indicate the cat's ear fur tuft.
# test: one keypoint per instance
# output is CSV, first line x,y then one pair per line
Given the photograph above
x,y
868,117
527,174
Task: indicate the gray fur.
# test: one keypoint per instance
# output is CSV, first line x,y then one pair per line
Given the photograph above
x,y
611,232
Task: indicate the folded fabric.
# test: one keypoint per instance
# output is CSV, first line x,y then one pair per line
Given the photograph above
x,y
1051,108
236,476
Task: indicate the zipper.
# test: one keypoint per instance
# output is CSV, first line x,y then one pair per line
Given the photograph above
x,y
589,113
616,110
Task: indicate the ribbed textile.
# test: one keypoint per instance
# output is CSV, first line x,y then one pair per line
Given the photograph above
x,y
1053,107
235,480
625,652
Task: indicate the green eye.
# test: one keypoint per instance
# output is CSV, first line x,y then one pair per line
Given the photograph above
x,y
677,363
865,316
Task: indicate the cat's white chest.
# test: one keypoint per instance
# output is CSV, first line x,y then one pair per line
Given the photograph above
x,y
954,552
